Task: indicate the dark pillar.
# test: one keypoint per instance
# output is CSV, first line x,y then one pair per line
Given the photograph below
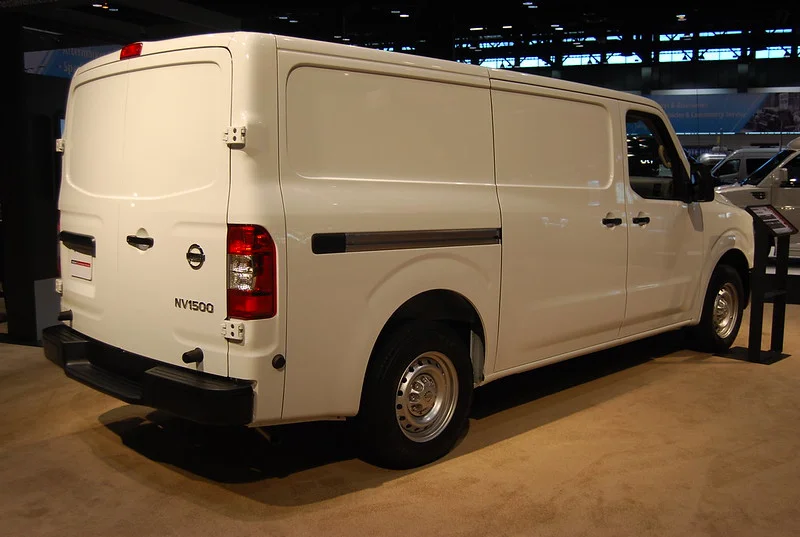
x,y
437,28
18,285
743,76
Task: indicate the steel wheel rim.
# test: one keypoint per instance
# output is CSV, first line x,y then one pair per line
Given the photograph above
x,y
426,396
726,310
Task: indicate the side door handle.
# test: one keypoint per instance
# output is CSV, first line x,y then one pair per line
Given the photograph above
x,y
143,243
641,219
611,222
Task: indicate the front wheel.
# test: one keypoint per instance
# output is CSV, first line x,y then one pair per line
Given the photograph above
x,y
417,395
722,311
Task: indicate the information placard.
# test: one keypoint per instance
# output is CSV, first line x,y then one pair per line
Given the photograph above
x,y
773,219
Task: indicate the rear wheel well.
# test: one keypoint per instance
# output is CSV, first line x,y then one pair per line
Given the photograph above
x,y
443,306
737,260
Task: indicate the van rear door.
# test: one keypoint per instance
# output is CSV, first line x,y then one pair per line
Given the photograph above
x,y
145,184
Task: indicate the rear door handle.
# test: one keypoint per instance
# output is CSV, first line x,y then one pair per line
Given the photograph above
x,y
80,243
141,242
611,222
641,220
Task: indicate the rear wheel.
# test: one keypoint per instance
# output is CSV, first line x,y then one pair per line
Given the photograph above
x,y
722,311
417,395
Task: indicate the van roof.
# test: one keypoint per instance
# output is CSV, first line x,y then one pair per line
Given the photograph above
x,y
399,58
755,151
359,52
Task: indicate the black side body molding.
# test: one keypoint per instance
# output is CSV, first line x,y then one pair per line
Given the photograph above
x,y
368,241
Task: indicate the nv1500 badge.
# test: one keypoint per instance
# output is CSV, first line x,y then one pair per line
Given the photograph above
x,y
194,305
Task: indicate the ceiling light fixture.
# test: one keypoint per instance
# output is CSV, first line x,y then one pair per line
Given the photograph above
x,y
395,12
292,20
681,17
559,28
476,29
404,15
507,27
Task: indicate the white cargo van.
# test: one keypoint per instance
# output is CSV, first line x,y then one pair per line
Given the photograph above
x,y
259,229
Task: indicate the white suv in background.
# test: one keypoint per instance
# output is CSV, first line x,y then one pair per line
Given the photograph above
x,y
776,182
738,165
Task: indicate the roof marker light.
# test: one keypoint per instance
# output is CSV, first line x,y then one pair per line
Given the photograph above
x,y
130,51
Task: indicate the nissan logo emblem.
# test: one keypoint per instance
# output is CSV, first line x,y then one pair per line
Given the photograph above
x,y
195,256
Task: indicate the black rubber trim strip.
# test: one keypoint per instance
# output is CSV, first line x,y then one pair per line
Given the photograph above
x,y
80,243
338,243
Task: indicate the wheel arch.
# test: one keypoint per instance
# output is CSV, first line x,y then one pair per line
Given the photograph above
x,y
738,261
732,247
443,305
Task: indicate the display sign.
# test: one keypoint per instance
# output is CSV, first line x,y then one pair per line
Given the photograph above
x,y
774,220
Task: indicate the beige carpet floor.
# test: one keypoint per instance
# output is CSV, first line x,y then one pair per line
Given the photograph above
x,y
648,439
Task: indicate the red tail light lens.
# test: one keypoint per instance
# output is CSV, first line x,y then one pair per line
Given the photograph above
x,y
130,51
252,274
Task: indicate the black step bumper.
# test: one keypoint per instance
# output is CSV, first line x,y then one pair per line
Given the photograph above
x,y
139,380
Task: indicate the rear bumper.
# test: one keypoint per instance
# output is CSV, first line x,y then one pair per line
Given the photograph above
x,y
138,380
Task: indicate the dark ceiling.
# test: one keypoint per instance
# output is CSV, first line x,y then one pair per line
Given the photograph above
x,y
431,27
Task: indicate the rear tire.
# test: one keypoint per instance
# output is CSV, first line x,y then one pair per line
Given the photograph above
x,y
417,396
722,311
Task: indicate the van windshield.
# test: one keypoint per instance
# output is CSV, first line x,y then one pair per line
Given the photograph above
x,y
758,175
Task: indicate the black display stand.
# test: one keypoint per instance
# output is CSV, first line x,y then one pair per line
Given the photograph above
x,y
770,226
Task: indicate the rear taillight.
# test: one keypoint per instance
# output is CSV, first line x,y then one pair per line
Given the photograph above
x,y
130,51
252,282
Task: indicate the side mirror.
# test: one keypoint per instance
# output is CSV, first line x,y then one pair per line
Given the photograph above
x,y
701,183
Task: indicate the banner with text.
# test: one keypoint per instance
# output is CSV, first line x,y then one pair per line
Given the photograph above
x,y
733,113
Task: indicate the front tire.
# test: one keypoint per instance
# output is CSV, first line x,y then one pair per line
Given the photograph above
x,y
417,396
722,311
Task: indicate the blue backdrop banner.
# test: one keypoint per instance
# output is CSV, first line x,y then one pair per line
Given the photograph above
x,y
63,62
732,113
